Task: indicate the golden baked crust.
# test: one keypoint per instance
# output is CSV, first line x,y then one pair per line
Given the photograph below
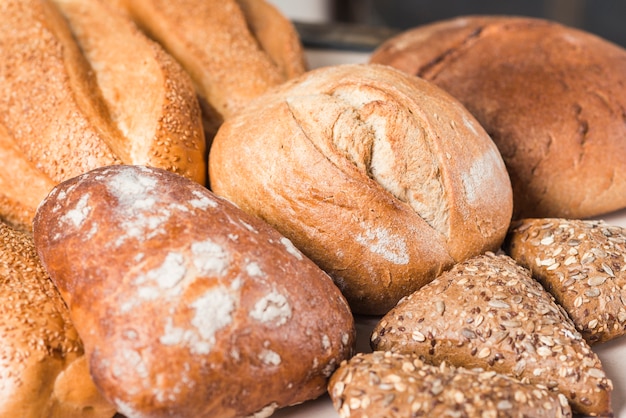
x,y
62,114
551,97
489,312
43,371
382,179
583,264
233,50
186,305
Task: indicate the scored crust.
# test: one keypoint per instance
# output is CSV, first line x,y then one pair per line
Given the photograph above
x,y
551,97
489,312
382,179
583,264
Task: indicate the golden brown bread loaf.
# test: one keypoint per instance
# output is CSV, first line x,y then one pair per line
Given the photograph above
x,y
186,305
488,312
583,264
382,179
63,113
399,385
43,370
234,50
551,97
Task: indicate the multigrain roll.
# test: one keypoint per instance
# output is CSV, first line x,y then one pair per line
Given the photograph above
x,y
234,50
43,369
188,306
382,179
76,95
551,97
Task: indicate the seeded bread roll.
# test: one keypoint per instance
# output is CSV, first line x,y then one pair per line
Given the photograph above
x,y
186,305
43,370
488,312
395,385
382,179
63,113
583,264
234,50
551,97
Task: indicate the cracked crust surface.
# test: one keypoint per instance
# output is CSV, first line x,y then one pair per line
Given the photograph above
x,y
383,179
552,98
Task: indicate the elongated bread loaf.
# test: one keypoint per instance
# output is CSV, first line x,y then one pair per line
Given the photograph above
x,y
234,50
43,370
381,178
188,306
551,97
77,96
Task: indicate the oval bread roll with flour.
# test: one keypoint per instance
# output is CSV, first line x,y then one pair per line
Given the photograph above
x,y
381,178
188,306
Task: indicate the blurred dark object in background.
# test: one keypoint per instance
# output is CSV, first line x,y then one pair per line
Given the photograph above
x,y
606,18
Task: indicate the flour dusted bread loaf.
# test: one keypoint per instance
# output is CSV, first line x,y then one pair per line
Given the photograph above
x,y
551,97
381,178
43,369
488,312
583,264
91,92
233,49
398,385
186,305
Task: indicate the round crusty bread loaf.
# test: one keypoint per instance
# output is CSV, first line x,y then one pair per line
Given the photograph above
x,y
382,179
188,306
551,97
43,370
82,88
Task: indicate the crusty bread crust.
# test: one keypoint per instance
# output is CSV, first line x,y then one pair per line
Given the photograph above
x,y
186,305
551,97
43,372
381,178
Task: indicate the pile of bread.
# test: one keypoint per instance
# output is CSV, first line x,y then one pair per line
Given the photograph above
x,y
192,219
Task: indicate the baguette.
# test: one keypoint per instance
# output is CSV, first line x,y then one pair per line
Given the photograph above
x,y
186,305
43,368
54,120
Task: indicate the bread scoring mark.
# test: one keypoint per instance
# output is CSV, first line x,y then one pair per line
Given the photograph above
x,y
210,258
76,216
273,307
291,249
381,241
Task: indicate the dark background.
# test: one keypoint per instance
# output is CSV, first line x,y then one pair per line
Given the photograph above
x,y
606,18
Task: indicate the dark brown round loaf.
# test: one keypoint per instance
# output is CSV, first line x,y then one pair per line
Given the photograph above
x,y
553,99
186,305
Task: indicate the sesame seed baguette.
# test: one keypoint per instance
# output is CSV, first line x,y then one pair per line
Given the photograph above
x,y
395,385
43,369
233,50
186,305
53,111
583,264
489,312
148,95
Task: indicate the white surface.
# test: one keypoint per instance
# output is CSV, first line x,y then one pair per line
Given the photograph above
x,y
612,354
305,10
